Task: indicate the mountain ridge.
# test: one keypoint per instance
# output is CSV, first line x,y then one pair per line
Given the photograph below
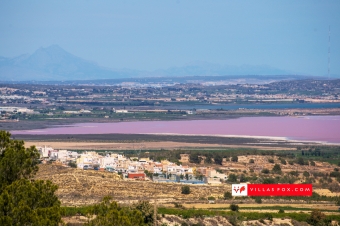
x,y
54,63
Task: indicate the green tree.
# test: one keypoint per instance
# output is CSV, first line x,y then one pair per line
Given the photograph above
x,y
218,159
16,162
110,213
147,211
30,203
185,190
258,200
234,158
318,218
301,161
195,159
306,174
72,165
234,207
24,201
277,169
265,171
283,162
227,195
232,177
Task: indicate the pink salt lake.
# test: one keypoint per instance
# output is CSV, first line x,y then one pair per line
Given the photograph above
x,y
311,128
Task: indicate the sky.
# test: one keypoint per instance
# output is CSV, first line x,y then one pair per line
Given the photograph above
x,y
153,34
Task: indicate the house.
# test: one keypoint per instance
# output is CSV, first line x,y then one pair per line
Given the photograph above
x,y
45,151
139,176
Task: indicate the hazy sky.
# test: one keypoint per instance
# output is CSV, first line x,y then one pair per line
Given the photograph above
x,y
149,35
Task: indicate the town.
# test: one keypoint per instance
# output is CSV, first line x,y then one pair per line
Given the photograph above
x,y
134,167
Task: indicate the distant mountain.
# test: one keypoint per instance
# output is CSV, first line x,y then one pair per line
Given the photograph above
x,y
210,69
55,64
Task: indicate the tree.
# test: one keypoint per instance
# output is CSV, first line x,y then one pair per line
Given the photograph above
x,y
147,211
301,161
265,171
318,218
306,174
30,203
277,169
185,190
16,162
218,159
232,177
227,195
258,200
24,201
72,165
195,159
234,207
110,213
234,158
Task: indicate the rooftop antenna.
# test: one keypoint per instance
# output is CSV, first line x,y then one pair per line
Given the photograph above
x,y
329,51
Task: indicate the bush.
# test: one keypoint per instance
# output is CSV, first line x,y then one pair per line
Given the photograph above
x,y
234,159
265,171
251,161
271,160
234,207
227,195
211,198
258,200
281,211
277,169
232,177
306,174
72,165
291,163
185,190
283,162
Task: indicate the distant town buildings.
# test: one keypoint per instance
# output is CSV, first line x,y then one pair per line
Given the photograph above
x,y
134,168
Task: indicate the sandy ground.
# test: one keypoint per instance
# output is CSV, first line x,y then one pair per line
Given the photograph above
x,y
326,192
144,145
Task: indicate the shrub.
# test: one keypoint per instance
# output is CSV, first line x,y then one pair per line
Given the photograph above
x,y
283,162
234,207
185,190
265,171
227,195
211,198
232,177
251,161
306,174
234,159
72,165
277,169
258,200
281,211
271,160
